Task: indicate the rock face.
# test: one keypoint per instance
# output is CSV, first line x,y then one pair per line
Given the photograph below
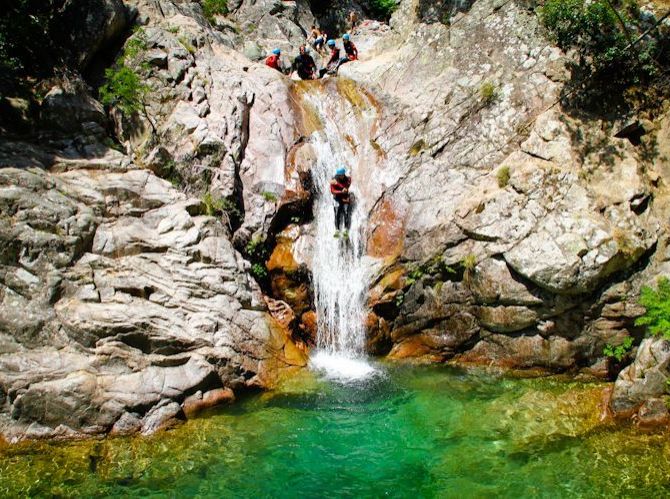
x,y
521,228
119,300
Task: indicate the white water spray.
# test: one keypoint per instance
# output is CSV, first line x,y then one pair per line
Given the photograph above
x,y
341,271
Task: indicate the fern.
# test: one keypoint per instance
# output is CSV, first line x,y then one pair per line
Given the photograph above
x,y
618,352
657,305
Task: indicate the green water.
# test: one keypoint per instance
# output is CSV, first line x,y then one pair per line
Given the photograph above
x,y
415,432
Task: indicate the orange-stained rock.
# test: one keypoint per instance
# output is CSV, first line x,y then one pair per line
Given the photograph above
x,y
296,294
285,356
282,257
288,279
300,160
280,311
199,401
378,335
417,347
307,117
388,231
392,281
308,324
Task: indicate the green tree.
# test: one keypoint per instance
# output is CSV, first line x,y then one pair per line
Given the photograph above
x,y
124,87
605,35
213,8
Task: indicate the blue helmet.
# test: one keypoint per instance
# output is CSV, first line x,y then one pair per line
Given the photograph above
x,y
331,43
341,171
276,51
345,37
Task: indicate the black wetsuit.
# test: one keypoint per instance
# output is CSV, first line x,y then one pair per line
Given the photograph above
x,y
305,66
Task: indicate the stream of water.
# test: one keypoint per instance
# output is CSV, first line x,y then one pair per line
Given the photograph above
x,y
340,269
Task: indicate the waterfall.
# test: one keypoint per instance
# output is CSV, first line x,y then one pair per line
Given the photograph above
x,y
341,270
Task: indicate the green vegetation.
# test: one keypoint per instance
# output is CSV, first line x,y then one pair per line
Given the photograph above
x,y
503,176
414,274
30,33
213,8
399,299
257,252
619,352
171,173
259,271
469,263
417,147
187,45
270,197
433,267
124,87
212,206
657,305
217,207
382,9
612,52
488,93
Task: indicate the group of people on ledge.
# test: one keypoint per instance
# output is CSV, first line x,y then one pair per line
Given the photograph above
x,y
304,64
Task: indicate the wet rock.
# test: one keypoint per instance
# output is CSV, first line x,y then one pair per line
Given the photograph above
x,y
522,352
653,412
161,417
644,379
199,401
127,424
289,280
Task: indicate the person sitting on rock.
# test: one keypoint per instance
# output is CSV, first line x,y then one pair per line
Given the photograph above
x,y
273,60
350,48
339,188
304,65
334,61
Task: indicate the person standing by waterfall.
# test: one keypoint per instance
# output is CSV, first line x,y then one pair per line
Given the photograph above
x,y
339,188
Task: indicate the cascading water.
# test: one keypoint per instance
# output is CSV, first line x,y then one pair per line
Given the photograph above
x,y
341,270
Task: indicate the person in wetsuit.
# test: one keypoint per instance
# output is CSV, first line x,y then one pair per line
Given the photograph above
x,y
304,65
339,188
349,48
334,61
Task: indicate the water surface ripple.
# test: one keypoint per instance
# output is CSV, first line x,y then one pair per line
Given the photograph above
x,y
413,432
